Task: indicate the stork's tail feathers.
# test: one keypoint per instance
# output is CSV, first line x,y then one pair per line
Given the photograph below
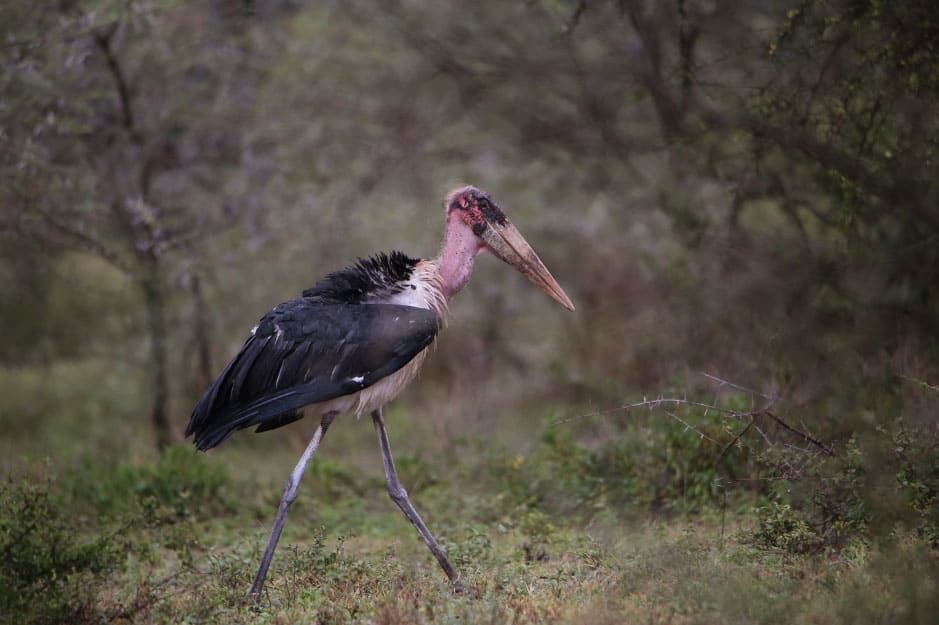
x,y
208,432
212,427
207,439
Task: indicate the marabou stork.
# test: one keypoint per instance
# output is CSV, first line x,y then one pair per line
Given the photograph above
x,y
352,342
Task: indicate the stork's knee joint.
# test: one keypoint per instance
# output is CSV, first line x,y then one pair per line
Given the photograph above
x,y
290,490
398,494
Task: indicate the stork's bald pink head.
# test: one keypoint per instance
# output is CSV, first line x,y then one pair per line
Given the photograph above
x,y
494,232
474,207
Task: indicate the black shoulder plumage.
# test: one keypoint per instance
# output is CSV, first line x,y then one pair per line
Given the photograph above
x,y
369,279
306,351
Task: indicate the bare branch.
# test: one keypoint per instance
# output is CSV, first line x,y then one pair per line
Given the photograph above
x,y
76,29
689,426
737,438
921,383
85,241
651,404
805,435
722,382
649,71
751,416
574,20
103,39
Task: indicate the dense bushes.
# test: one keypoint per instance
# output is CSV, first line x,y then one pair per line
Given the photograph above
x,y
917,453
62,540
802,499
660,462
181,484
49,572
107,542
872,489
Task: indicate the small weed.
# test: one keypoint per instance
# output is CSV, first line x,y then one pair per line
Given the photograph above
x,y
537,528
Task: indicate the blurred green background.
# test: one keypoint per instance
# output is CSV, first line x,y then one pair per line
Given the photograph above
x,y
747,190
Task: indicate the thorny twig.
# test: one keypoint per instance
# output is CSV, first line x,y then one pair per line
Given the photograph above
x,y
737,438
751,416
652,404
721,382
921,383
689,426
805,435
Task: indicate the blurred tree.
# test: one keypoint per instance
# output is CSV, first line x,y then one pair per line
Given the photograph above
x,y
820,122
714,181
110,148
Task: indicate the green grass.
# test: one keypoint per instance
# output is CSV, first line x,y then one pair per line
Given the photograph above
x,y
526,568
617,525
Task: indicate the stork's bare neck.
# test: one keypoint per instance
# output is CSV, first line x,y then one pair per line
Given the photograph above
x,y
457,256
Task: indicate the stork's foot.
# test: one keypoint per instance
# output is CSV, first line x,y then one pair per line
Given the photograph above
x,y
468,591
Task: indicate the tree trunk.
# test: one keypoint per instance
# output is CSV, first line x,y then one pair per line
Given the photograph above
x,y
152,286
201,322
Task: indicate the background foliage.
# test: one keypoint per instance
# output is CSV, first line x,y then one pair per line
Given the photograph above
x,y
744,189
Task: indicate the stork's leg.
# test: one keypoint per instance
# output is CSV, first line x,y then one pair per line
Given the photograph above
x,y
290,494
400,497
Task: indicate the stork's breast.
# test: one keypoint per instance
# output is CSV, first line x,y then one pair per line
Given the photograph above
x,y
389,387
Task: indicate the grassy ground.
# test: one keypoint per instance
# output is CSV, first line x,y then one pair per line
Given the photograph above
x,y
97,528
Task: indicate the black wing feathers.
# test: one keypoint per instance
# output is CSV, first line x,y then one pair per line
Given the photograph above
x,y
306,351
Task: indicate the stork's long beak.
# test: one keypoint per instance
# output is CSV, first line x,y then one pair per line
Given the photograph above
x,y
506,242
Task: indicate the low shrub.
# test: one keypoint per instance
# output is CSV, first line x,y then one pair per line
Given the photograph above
x,y
180,485
656,464
889,481
917,453
48,572
779,527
